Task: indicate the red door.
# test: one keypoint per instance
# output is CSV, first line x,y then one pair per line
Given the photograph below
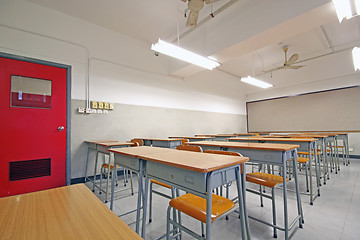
x,y
32,123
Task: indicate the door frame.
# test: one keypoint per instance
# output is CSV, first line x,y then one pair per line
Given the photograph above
x,y
68,102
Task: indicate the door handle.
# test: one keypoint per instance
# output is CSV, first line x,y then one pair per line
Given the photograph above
x,y
61,128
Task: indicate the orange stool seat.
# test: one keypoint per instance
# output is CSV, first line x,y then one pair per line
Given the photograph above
x,y
105,165
307,153
195,206
160,183
264,179
302,159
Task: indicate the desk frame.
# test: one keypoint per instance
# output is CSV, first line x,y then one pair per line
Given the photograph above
x,y
210,180
268,157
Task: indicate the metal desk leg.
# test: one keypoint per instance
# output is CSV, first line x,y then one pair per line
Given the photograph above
x,y
286,220
243,180
140,190
143,231
87,163
208,209
112,189
317,171
337,158
95,169
241,199
310,175
298,198
111,156
346,145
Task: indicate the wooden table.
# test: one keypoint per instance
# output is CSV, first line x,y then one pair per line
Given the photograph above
x,y
102,146
307,144
71,212
269,153
193,172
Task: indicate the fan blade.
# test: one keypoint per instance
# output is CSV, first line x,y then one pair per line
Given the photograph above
x,y
291,67
292,59
194,6
192,19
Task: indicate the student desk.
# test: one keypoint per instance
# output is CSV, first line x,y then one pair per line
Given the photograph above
x,y
192,139
102,147
343,136
193,172
245,134
162,142
327,140
267,153
306,144
217,137
70,212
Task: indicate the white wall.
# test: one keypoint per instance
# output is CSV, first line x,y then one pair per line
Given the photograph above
x,y
320,85
123,71
116,61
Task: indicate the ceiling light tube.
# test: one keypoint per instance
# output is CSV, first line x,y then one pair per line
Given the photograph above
x,y
343,9
356,58
357,6
256,82
183,54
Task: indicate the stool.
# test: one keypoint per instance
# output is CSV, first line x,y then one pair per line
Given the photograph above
x,y
195,207
152,181
266,180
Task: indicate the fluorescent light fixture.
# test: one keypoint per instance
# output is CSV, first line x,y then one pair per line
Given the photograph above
x,y
183,54
357,6
256,82
343,9
356,58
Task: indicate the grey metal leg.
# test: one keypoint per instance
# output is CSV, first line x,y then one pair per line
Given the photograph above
x,y
241,204
168,223
87,163
317,168
140,190
112,189
131,184
95,169
108,178
243,181
145,207
347,149
306,176
310,175
298,198
208,213
286,220
150,203
273,210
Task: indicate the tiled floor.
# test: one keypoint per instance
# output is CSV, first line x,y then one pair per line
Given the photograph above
x,y
334,215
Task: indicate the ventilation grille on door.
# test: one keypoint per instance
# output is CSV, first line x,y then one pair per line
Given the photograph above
x,y
30,169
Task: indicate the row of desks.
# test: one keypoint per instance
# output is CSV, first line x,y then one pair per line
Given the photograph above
x,y
198,173
193,172
264,153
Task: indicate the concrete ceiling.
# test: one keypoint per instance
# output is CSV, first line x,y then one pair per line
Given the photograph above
x,y
246,36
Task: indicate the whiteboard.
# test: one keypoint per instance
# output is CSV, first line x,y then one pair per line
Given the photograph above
x,y
332,110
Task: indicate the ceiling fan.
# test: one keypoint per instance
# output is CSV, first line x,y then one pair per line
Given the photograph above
x,y
288,64
195,6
